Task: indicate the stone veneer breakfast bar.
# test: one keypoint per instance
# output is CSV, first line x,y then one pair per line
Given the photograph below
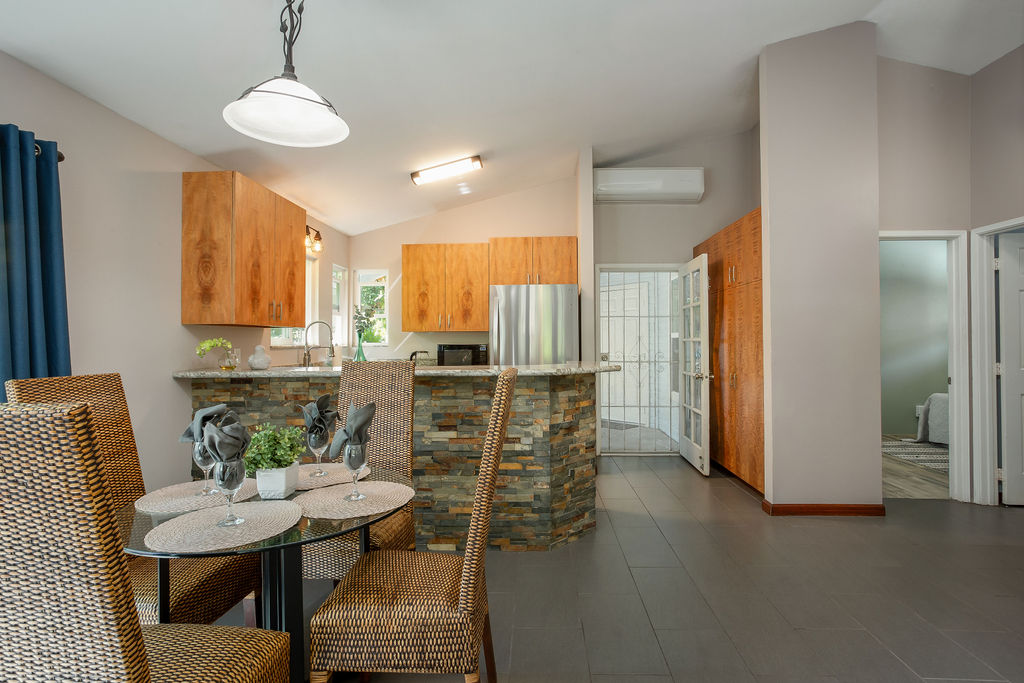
x,y
545,494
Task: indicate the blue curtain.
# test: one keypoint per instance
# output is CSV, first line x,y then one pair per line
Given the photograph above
x,y
33,297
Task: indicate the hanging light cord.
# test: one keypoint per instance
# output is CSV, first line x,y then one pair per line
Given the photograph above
x,y
291,26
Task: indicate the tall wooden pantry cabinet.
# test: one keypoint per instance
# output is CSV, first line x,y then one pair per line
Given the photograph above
x,y
737,355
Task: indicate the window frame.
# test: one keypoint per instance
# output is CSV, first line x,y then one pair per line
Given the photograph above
x,y
384,315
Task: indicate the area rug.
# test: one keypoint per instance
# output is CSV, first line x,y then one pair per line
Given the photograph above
x,y
934,456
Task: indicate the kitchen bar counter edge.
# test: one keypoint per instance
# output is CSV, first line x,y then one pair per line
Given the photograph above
x,y
555,370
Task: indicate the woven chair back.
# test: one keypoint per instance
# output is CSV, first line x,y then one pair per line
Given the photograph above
x,y
66,609
473,588
389,384
105,394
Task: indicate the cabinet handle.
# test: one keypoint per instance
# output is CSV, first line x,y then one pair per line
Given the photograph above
x,y
440,317
538,278
280,310
271,310
449,321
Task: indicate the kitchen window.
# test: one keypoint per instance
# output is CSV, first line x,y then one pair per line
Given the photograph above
x,y
339,301
372,297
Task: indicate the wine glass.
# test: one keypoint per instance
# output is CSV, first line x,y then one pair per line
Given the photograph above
x,y
354,459
204,461
317,441
229,477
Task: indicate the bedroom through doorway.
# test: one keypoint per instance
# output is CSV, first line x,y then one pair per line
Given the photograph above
x,y
915,326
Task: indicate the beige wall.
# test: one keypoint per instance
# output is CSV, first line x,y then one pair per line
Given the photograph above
x,y
121,204
548,209
667,233
819,189
585,259
997,140
924,147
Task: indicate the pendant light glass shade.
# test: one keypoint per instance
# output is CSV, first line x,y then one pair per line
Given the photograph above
x,y
283,111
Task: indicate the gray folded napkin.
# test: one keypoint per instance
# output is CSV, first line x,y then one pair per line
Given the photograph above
x,y
320,419
227,438
194,432
356,429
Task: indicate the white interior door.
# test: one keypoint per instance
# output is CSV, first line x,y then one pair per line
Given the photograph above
x,y
695,372
1011,344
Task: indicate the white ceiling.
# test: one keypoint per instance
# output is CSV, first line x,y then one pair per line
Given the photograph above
x,y
524,83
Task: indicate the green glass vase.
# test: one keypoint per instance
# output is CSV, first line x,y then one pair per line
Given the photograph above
x,y
359,348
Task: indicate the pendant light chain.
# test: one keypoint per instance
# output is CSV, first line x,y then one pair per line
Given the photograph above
x,y
291,26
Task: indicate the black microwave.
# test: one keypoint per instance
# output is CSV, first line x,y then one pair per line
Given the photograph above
x,y
462,354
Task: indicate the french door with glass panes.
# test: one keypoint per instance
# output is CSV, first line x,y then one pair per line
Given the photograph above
x,y
696,365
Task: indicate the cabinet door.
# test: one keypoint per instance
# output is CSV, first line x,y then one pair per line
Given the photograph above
x,y
511,260
290,265
206,285
554,261
466,287
254,253
748,371
423,288
748,256
726,345
716,261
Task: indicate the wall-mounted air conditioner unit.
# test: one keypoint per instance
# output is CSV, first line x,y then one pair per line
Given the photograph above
x,y
659,185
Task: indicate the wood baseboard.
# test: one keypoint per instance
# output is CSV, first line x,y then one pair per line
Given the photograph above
x,y
822,509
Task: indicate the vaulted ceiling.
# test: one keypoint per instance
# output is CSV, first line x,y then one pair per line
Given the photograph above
x,y
524,83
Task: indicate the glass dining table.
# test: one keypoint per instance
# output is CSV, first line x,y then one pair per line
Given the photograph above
x,y
281,559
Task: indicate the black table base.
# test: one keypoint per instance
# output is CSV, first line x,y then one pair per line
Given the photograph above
x,y
282,602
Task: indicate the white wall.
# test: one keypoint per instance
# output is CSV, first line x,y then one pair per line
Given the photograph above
x,y
924,147
548,209
819,190
997,140
121,204
667,233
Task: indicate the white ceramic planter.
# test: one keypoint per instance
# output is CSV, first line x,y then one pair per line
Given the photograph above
x,y
277,483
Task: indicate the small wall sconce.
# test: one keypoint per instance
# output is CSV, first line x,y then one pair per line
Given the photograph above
x,y
314,242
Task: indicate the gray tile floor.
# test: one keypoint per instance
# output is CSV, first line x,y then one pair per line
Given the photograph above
x,y
686,579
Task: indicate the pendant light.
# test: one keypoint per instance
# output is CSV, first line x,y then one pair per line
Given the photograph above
x,y
283,111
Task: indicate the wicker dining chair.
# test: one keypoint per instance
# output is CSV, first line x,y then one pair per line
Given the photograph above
x,y
389,384
418,612
201,589
66,608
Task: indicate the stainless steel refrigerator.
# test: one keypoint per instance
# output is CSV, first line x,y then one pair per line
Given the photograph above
x,y
534,324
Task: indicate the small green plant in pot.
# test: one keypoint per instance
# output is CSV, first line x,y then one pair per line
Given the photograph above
x,y
230,361
273,458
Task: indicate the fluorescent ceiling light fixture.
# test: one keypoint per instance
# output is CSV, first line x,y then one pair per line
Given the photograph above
x,y
283,111
449,170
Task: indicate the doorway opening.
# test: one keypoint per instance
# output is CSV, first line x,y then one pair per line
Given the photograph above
x,y
925,390
638,328
914,277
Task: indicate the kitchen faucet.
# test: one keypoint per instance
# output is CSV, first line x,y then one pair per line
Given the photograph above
x,y
306,357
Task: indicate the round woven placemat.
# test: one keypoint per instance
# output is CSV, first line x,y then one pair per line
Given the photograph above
x,y
330,503
198,531
182,498
336,474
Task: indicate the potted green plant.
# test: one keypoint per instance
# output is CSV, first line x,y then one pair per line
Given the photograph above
x,y
362,320
273,458
230,361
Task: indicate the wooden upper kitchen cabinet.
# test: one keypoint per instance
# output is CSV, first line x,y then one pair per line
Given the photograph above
x,y
511,260
423,288
242,255
734,253
533,260
466,287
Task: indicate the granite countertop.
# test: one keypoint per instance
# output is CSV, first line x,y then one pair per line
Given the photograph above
x,y
581,368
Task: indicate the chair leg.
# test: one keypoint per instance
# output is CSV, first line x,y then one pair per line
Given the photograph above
x,y
253,609
473,677
320,676
492,675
